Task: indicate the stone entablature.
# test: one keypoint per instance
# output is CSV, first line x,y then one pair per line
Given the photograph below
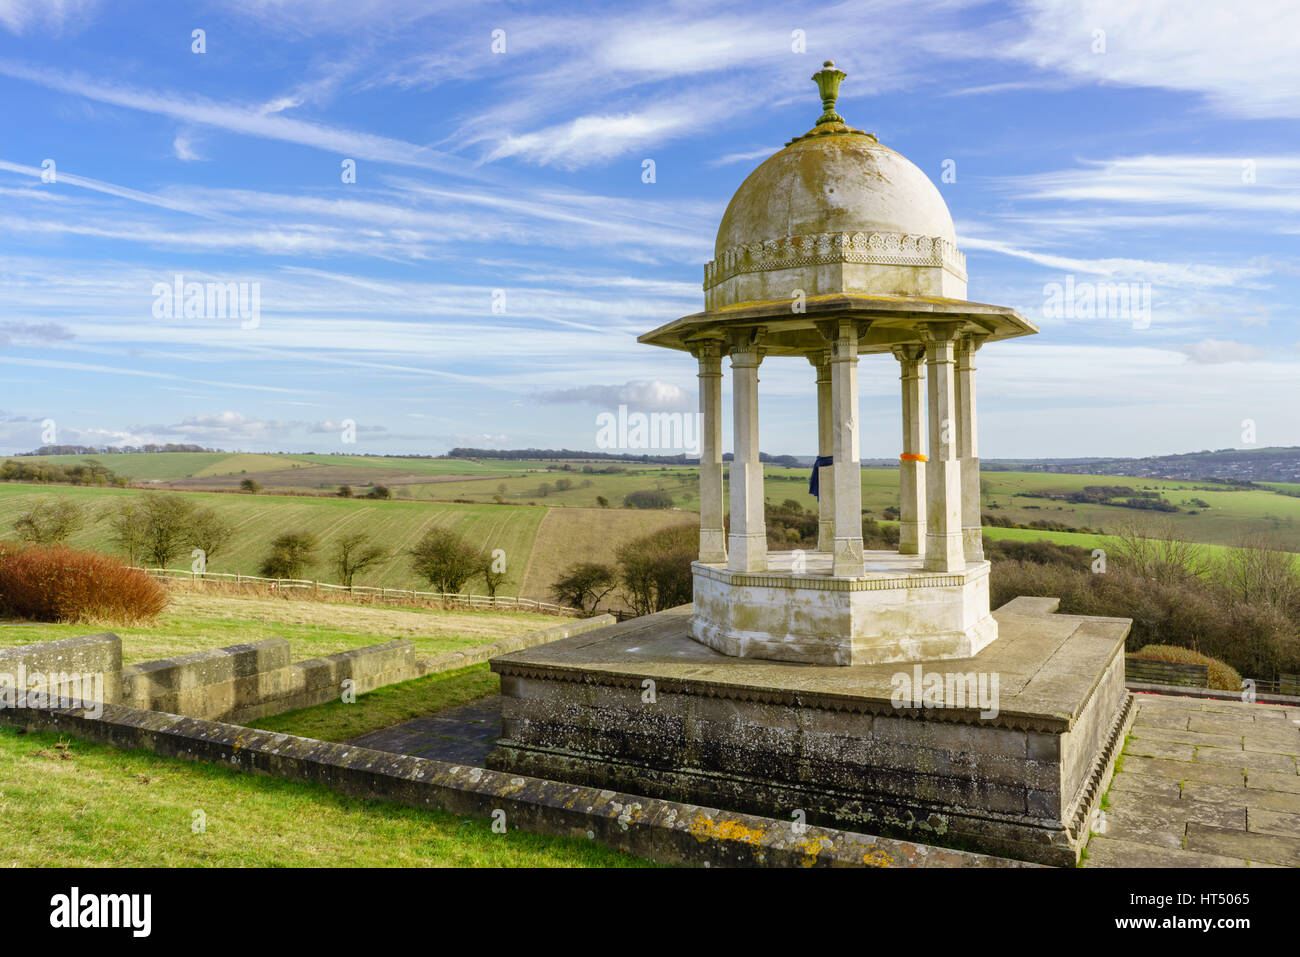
x,y
822,583
869,248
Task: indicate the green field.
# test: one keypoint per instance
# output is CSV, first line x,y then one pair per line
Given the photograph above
x,y
74,803
258,519
142,467
198,622
577,530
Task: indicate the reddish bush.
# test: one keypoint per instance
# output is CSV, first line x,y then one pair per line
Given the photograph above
x,y
57,583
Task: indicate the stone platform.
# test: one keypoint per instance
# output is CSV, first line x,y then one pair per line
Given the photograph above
x,y
796,610
644,708
1205,783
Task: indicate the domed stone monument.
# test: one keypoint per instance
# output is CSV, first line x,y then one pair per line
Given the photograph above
x,y
838,247
868,690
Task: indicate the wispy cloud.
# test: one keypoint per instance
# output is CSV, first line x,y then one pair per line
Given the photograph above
x,y
54,16
1241,59
1190,274
1216,351
245,120
183,148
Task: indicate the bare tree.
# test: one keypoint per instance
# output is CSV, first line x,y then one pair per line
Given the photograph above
x,y
47,521
209,532
355,553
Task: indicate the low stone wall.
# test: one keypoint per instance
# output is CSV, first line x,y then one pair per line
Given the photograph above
x,y
245,682
66,663
664,831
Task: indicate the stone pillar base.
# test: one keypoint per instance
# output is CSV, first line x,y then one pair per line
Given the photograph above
x,y
713,545
747,553
795,610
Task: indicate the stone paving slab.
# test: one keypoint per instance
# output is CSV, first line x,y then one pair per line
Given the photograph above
x,y
1203,783
1252,845
1272,822
464,734
1250,798
1107,851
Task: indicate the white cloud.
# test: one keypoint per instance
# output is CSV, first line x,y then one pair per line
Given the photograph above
x,y
248,121
1243,183
743,157
1142,270
22,16
1217,350
65,178
588,140
183,148
642,395
214,428
1242,58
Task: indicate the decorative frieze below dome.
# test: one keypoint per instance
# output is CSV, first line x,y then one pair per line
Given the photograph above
x,y
881,248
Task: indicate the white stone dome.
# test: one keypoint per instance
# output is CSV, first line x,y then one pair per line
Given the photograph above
x,y
834,213
840,183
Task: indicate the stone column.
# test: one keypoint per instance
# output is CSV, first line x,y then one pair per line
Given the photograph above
x,y
825,446
713,535
847,556
748,540
968,454
911,469
943,539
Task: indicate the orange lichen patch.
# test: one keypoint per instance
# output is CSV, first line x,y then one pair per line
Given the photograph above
x,y
877,857
705,828
810,850
914,457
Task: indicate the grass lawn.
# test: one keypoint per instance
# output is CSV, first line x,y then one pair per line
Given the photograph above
x,y
195,622
385,707
67,802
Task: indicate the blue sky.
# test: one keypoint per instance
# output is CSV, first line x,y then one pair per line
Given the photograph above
x,y
1161,151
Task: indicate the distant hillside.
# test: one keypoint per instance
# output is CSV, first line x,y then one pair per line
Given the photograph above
x,y
1224,465
1227,465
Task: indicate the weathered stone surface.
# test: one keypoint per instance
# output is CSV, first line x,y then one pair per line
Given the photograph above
x,y
1184,770
643,707
89,655
1273,781
894,611
1106,851
1249,760
1249,798
1211,810
1251,845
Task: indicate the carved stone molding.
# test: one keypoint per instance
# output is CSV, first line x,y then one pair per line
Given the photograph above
x,y
889,249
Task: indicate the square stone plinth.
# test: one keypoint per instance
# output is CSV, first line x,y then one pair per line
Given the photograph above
x,y
1006,751
797,610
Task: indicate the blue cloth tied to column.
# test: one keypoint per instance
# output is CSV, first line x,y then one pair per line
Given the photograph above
x,y
813,488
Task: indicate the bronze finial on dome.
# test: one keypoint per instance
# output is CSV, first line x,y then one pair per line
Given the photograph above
x,y
828,84
828,81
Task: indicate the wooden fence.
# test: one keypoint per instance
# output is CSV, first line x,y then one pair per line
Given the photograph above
x,y
303,587
1198,676
1166,673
